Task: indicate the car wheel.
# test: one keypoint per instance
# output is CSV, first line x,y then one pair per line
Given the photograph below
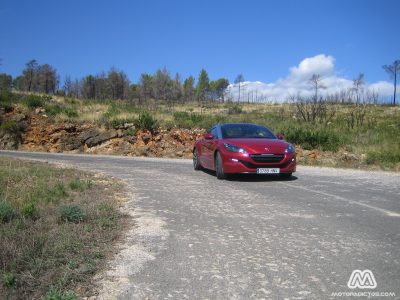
x,y
219,167
196,160
286,175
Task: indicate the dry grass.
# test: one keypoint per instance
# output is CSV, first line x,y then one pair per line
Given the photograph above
x,y
41,251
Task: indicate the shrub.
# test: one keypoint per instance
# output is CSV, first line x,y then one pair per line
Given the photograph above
x,y
9,125
146,121
235,109
310,139
53,110
71,213
33,101
9,280
29,209
385,157
70,112
7,212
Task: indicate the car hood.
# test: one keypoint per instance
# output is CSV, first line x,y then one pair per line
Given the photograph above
x,y
258,146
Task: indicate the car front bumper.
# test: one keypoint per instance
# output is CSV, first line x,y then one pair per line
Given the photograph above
x,y
239,163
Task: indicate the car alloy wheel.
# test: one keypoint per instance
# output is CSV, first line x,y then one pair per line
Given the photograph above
x,y
196,160
219,168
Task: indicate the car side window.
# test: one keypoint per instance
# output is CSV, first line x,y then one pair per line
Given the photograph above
x,y
214,132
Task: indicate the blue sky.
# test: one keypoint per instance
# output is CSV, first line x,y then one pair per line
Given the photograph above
x,y
260,39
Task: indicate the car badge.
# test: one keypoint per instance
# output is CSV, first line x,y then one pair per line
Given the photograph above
x,y
266,149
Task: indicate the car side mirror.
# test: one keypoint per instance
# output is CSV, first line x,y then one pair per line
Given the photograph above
x,y
280,136
209,136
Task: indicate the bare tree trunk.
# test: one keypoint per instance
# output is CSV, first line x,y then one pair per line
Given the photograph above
x,y
395,83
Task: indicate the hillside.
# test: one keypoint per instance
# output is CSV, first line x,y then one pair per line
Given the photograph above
x,y
330,134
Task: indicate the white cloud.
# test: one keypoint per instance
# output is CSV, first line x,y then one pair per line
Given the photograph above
x,y
297,82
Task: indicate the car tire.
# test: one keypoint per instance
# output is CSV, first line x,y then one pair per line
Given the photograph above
x,y
286,175
219,167
196,161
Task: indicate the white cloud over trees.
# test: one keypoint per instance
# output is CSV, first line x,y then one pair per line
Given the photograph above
x,y
297,83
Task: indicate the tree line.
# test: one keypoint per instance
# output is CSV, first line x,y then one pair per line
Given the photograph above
x,y
115,84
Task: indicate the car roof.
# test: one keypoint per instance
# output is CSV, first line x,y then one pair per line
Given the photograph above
x,y
239,123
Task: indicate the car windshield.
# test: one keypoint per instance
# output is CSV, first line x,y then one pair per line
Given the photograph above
x,y
243,131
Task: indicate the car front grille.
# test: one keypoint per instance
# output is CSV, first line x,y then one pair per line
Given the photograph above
x,y
267,158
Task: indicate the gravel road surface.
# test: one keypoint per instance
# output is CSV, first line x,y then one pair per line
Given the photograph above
x,y
196,237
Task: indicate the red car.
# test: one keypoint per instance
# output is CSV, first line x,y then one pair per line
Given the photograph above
x,y
244,148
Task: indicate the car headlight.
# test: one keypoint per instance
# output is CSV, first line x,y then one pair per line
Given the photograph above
x,y
233,148
289,149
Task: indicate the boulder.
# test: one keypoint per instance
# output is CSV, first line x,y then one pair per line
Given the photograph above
x,y
131,139
100,138
146,138
88,134
70,127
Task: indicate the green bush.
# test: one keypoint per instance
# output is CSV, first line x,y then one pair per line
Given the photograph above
x,y
112,111
9,125
70,113
146,121
71,213
53,110
7,212
9,280
56,294
33,101
311,139
385,157
29,209
235,109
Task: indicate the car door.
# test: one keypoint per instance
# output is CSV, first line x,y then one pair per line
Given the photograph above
x,y
209,148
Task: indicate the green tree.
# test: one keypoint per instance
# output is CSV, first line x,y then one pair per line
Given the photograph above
x,y
5,82
218,87
203,85
145,87
118,83
47,79
89,87
29,74
188,89
162,84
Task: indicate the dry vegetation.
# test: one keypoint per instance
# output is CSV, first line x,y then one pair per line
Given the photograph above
x,y
56,227
370,132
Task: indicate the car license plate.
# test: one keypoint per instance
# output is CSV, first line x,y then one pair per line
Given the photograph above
x,y
268,171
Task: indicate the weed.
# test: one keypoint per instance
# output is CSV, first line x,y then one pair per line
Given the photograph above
x,y
235,109
33,101
29,210
384,158
57,294
9,280
71,213
76,184
7,212
311,139
9,125
146,121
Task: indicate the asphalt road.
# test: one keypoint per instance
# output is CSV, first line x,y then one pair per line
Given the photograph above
x,y
250,237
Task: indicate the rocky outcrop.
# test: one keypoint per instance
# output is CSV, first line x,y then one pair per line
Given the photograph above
x,y
40,133
12,126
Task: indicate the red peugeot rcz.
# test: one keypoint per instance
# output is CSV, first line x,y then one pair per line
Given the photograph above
x,y
244,148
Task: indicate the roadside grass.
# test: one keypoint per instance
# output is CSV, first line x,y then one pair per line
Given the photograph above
x,y
57,226
377,137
